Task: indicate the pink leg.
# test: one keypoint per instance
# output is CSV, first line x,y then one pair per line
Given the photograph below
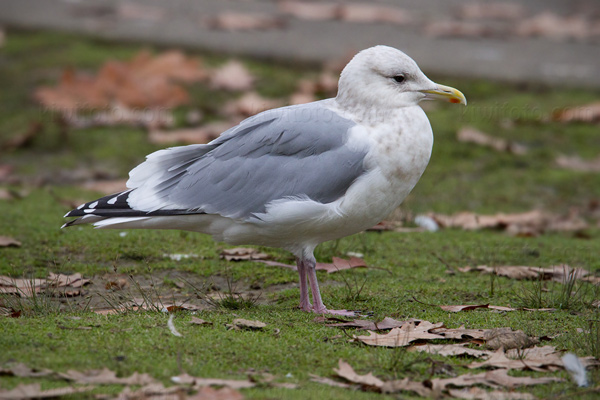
x,y
319,307
304,300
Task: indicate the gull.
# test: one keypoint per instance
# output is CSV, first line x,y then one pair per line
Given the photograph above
x,y
296,176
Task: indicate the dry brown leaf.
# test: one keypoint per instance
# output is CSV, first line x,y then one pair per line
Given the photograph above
x,y
329,382
456,28
460,333
576,163
340,264
69,285
492,379
529,223
241,323
250,103
363,324
242,254
406,385
589,113
34,391
118,284
106,377
233,76
558,273
345,371
131,10
153,391
235,22
7,241
463,307
224,393
373,13
106,186
23,371
507,339
199,321
551,25
492,10
475,393
544,358
144,81
403,336
471,135
199,135
451,350
309,10
186,379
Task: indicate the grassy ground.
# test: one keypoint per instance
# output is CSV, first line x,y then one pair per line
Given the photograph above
x,y
460,177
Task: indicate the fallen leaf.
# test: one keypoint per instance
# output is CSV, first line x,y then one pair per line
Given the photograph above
x,y
198,135
132,10
236,22
241,323
345,371
475,393
106,186
507,339
403,336
550,25
374,13
492,10
576,163
589,113
23,371
233,76
106,377
460,333
329,382
406,385
529,223
340,264
153,390
492,379
471,135
242,254
457,28
224,393
451,350
463,308
558,273
144,81
6,241
309,10
363,324
186,379
199,321
118,284
249,104
34,391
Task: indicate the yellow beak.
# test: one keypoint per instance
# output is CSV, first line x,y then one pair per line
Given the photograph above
x,y
445,93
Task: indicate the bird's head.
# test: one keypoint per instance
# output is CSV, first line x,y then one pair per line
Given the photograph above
x,y
385,77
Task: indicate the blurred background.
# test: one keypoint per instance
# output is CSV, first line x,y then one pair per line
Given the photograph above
x,y
89,87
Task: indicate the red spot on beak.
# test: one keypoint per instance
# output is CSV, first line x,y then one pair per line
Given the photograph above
x,y
454,101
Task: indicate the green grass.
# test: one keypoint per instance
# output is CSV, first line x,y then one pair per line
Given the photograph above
x,y
409,266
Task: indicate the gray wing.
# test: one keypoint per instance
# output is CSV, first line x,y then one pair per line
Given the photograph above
x,y
291,152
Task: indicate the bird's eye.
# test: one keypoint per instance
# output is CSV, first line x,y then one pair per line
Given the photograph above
x,y
398,78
